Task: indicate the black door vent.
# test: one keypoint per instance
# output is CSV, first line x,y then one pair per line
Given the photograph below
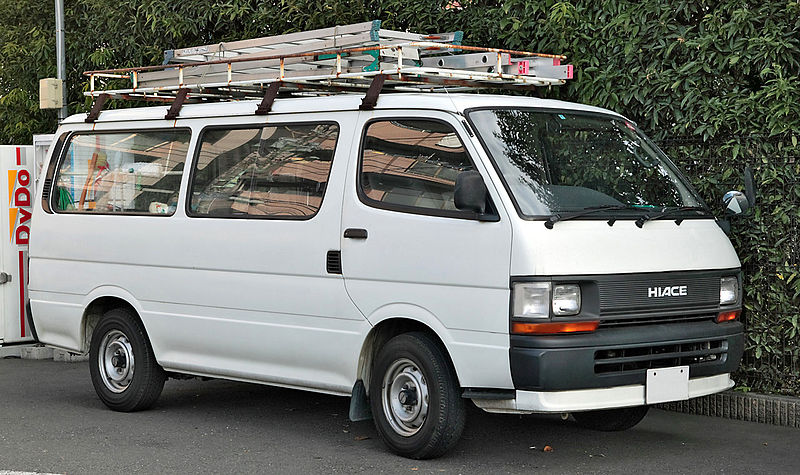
x,y
333,262
48,183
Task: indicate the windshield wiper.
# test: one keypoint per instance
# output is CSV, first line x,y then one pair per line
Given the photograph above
x,y
577,214
640,222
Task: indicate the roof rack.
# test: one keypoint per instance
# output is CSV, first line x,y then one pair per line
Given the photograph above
x,y
338,59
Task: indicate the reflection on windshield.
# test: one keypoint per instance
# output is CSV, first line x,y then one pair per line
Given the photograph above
x,y
555,161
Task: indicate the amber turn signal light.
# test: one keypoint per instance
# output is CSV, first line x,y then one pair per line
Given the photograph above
x,y
521,328
728,316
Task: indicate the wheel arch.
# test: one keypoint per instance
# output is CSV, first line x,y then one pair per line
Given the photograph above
x,y
98,302
389,327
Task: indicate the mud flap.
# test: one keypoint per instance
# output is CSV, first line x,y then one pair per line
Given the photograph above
x,y
359,403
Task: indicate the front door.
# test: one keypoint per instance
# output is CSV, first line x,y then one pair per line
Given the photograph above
x,y
407,251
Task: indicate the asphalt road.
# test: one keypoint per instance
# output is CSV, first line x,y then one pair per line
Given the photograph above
x,y
51,421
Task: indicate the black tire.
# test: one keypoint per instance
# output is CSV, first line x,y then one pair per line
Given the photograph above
x,y
611,420
120,385
425,362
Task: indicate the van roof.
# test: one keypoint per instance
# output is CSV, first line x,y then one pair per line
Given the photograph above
x,y
340,102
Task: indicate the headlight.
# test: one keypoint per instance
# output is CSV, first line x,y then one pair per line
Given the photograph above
x,y
566,299
728,290
532,299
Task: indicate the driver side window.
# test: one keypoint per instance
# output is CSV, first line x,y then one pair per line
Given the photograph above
x,y
412,164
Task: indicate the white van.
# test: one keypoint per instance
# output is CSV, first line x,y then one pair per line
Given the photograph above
x,y
530,255
409,250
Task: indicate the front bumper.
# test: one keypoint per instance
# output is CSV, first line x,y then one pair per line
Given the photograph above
x,y
615,357
589,399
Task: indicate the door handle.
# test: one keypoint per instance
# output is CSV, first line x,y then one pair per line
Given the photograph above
x,y
4,278
355,233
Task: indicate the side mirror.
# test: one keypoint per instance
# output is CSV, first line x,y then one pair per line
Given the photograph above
x,y
470,193
736,202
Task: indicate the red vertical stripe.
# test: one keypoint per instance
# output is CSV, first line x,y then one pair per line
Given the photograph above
x,y
21,294
19,158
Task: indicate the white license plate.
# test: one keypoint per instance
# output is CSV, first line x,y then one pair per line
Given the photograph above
x,y
667,384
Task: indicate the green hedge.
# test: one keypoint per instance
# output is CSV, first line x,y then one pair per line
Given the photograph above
x,y
716,83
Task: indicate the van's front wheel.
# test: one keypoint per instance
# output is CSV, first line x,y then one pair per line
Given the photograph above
x,y
124,370
415,397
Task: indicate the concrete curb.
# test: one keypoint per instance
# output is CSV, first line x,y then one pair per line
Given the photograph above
x,y
68,357
763,408
40,352
36,352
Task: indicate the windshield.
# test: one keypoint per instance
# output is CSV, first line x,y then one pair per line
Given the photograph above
x,y
557,161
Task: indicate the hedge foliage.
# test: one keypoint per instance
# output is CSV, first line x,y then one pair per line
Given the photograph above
x,y
717,83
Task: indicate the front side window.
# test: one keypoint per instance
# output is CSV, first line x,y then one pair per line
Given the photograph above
x,y
263,172
132,172
558,161
409,164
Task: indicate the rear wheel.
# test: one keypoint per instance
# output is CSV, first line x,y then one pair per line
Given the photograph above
x,y
610,420
124,370
415,397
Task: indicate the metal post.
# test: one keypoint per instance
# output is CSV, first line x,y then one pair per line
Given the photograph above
x,y
60,58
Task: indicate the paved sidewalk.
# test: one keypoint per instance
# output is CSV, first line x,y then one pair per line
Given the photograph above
x,y
51,421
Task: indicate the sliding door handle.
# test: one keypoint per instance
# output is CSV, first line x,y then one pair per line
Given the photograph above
x,y
355,233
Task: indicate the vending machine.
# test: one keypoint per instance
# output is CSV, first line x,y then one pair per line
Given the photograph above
x,y
17,175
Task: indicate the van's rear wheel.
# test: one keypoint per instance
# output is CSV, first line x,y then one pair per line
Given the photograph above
x,y
415,397
124,370
610,420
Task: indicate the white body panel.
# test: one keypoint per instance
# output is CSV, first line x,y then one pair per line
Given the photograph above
x,y
219,297
587,247
251,299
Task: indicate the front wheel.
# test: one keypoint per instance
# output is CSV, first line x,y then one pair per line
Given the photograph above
x,y
415,397
124,371
610,420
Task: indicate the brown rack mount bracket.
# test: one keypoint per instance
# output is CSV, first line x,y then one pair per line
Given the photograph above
x,y
371,98
269,99
175,108
97,107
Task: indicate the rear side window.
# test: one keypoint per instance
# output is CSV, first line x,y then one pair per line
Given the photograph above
x,y
132,172
412,165
276,171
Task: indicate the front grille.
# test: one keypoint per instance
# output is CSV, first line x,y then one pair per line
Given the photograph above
x,y
658,298
622,321
629,294
641,358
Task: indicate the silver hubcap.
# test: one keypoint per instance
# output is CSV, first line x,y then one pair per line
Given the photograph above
x,y
115,359
405,397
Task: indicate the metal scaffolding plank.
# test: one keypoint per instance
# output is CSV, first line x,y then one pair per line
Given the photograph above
x,y
270,42
404,77
323,44
246,66
367,33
